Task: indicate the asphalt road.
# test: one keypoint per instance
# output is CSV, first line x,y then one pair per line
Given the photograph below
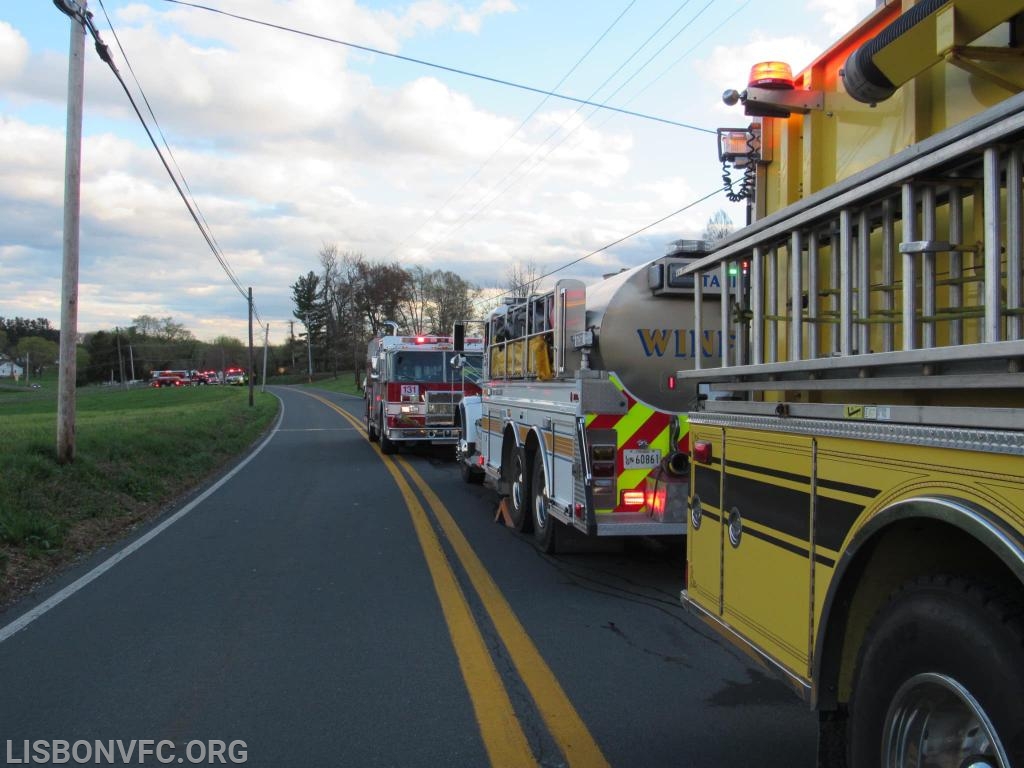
x,y
328,606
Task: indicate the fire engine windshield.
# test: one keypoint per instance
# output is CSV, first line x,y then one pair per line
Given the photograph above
x,y
420,367
473,369
434,367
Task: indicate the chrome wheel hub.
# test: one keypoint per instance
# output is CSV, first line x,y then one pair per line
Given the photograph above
x,y
934,722
540,511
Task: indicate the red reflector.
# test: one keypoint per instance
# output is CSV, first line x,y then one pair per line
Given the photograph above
x,y
671,382
702,452
578,511
632,498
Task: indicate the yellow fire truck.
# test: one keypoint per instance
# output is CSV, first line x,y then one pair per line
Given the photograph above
x,y
857,490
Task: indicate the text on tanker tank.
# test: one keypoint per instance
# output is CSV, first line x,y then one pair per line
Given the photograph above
x,y
681,342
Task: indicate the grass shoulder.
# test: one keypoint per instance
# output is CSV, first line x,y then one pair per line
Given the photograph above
x,y
344,383
136,451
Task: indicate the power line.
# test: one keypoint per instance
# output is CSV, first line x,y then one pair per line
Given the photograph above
x,y
514,133
227,268
612,244
489,198
686,53
71,8
422,62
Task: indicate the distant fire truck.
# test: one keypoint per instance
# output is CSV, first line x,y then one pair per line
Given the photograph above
x,y
575,424
414,385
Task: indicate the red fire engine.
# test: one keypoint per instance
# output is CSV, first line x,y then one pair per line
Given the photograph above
x,y
414,385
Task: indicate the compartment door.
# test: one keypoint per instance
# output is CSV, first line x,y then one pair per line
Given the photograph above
x,y
705,529
766,518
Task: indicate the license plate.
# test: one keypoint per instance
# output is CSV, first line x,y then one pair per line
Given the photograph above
x,y
635,459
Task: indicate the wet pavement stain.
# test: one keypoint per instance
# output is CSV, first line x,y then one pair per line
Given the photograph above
x,y
681,660
759,690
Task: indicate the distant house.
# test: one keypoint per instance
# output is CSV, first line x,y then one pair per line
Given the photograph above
x,y
10,369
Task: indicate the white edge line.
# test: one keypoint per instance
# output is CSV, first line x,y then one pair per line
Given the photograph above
x,y
59,597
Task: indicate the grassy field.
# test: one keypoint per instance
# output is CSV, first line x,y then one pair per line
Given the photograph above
x,y
344,383
136,451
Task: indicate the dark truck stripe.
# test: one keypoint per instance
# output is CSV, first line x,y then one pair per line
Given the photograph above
x,y
833,521
706,486
783,509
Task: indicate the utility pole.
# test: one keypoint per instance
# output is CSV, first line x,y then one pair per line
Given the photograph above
x,y
120,361
72,208
251,358
291,336
266,342
131,357
309,349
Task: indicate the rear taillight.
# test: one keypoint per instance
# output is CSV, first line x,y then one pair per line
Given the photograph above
x,y
602,460
633,499
702,452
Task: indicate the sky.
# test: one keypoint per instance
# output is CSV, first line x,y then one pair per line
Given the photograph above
x,y
288,143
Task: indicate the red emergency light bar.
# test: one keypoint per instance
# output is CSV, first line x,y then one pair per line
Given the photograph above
x,y
424,340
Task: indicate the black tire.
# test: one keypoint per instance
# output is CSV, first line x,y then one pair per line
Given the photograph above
x,y
387,445
545,527
470,474
520,499
941,657
371,427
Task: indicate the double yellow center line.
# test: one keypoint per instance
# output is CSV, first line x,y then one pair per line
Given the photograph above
x,y
500,728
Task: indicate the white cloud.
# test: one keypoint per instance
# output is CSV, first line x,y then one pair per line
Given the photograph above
x,y
13,52
840,15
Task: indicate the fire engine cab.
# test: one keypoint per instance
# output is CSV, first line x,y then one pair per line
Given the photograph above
x,y
414,385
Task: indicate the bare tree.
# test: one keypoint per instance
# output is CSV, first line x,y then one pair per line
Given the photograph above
x,y
521,278
451,299
719,227
381,289
330,276
415,306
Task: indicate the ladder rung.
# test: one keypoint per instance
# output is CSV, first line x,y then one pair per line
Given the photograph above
x,y
935,246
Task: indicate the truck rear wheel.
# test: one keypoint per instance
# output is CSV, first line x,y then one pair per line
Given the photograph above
x,y
938,680
545,527
371,427
387,445
519,495
470,474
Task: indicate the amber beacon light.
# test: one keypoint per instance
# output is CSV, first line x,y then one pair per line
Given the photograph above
x,y
771,74
771,92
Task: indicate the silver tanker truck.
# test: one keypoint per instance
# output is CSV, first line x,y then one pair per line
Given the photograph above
x,y
581,422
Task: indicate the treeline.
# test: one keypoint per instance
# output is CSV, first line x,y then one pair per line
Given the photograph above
x,y
346,303
156,344
119,354
14,329
32,344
